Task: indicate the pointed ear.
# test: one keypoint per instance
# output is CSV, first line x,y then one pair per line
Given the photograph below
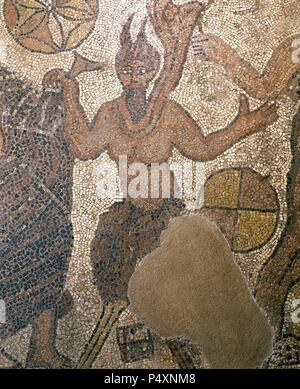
x,y
125,37
142,32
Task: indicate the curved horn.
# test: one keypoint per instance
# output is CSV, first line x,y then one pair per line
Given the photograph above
x,y
125,38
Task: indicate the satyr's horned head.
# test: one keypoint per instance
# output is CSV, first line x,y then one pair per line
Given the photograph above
x,y
138,62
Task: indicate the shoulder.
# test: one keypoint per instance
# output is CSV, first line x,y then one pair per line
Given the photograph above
x,y
107,111
175,108
171,106
108,107
175,113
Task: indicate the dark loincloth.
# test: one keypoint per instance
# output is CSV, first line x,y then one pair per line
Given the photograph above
x,y
125,235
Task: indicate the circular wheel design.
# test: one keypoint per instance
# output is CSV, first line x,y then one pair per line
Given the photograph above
x,y
245,206
50,26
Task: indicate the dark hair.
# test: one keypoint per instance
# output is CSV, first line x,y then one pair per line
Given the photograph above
x,y
140,49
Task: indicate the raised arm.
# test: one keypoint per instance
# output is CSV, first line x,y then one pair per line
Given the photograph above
x,y
174,25
88,140
191,142
268,84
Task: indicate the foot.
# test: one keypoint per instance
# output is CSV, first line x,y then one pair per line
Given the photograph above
x,y
48,359
42,351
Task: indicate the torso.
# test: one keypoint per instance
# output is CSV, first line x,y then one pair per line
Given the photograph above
x,y
153,147
147,148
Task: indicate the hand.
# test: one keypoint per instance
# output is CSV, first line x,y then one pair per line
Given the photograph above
x,y
199,44
211,48
58,80
173,23
55,80
261,118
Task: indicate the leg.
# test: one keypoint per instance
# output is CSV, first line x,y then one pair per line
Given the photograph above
x,y
113,264
42,345
123,236
110,314
275,280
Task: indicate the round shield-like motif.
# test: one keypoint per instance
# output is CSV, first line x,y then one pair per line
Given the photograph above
x,y
50,26
245,204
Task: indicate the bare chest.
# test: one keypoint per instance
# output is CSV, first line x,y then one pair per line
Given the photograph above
x,y
151,148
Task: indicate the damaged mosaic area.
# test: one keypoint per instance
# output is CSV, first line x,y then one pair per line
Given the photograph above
x,y
67,254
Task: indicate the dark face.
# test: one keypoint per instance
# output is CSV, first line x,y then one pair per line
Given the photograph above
x,y
294,87
135,74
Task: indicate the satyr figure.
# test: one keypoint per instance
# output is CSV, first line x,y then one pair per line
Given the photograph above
x,y
145,129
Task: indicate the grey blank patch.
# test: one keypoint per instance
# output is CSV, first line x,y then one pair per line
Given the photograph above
x,y
190,286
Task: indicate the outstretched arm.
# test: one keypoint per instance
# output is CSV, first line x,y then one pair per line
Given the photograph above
x,y
191,142
88,140
269,84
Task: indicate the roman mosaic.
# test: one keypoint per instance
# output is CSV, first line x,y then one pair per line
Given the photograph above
x,y
150,184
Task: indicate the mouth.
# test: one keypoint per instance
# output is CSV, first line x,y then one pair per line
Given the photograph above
x,y
135,83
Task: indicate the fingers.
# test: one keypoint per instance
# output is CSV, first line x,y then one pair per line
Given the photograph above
x,y
270,112
273,117
244,104
215,48
53,76
199,45
156,9
54,80
269,107
195,8
161,11
267,114
154,16
207,47
71,87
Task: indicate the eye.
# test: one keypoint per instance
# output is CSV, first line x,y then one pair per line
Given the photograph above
x,y
127,70
141,71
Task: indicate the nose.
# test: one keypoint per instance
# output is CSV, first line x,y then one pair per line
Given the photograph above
x,y
135,78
